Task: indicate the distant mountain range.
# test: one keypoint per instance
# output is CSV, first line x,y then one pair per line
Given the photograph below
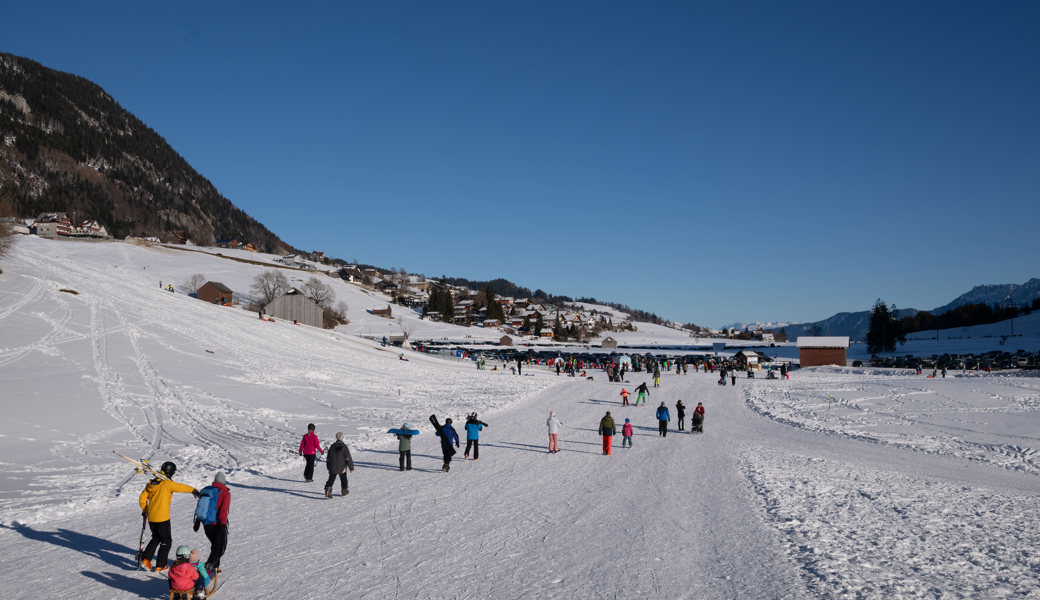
x,y
67,146
855,324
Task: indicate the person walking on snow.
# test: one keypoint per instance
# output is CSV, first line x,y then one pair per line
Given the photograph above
x,y
624,397
607,430
662,419
309,446
680,412
626,434
448,438
404,447
473,427
338,462
554,432
155,505
217,532
641,393
657,376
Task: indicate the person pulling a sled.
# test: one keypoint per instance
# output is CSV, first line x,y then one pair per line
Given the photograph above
x,y
216,523
155,504
187,575
338,461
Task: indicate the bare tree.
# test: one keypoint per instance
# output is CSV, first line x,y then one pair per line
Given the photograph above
x,y
318,291
407,327
195,282
269,285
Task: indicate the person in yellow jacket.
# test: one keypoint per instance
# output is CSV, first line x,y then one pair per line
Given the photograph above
x,y
155,504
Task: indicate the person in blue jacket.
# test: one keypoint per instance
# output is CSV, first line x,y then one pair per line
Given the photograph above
x,y
473,427
662,419
448,439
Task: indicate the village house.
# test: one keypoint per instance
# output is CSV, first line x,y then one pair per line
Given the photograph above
x,y
53,225
215,292
294,305
382,312
820,351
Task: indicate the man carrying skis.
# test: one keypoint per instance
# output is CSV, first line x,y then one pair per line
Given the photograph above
x,y
308,447
338,462
448,438
155,504
217,531
473,427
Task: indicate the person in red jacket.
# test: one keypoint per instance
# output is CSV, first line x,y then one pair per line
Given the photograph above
x,y
217,532
308,447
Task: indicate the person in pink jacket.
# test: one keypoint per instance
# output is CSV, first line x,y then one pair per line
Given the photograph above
x,y
308,447
626,434
187,575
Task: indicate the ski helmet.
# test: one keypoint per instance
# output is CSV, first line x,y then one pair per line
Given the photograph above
x,y
168,469
183,552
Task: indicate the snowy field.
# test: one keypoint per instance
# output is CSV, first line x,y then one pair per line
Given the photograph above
x,y
839,483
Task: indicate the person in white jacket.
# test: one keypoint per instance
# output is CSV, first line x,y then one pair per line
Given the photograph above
x,y
554,432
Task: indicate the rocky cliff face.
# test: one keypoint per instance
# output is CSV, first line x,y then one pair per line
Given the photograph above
x,y
67,146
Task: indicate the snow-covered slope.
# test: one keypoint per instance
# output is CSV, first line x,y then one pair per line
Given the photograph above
x,y
836,483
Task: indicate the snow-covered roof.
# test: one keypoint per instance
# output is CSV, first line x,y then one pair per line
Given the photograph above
x,y
823,342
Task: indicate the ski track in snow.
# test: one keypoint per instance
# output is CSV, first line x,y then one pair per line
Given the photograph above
x,y
905,487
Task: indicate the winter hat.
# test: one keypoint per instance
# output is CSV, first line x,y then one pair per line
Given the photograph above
x,y
405,426
220,478
552,413
310,427
447,421
183,551
626,420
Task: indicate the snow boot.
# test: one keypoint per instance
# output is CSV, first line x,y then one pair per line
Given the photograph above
x,y
345,492
328,492
146,564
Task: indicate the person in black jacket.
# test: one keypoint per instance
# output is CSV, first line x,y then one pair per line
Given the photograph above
x,y
680,411
338,460
448,438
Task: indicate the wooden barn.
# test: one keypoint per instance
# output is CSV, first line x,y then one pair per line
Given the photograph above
x,y
818,351
215,292
293,305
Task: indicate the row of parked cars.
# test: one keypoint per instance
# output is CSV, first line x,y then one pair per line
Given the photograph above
x,y
988,361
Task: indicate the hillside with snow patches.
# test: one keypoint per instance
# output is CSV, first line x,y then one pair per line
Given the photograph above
x,y
839,482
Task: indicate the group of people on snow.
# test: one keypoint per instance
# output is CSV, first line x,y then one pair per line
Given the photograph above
x,y
186,573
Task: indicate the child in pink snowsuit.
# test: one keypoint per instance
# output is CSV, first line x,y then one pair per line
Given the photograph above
x,y
626,434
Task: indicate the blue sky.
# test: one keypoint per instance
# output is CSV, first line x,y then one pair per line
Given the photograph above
x,y
708,162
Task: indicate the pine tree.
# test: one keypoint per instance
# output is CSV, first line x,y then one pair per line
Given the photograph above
x,y
884,330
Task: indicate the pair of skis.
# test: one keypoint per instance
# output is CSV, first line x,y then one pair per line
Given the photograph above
x,y
142,467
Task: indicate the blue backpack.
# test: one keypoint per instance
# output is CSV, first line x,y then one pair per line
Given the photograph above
x,y
206,507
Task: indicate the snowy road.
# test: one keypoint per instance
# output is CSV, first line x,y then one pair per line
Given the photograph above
x,y
839,483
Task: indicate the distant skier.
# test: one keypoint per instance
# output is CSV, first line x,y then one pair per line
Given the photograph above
x,y
217,532
338,462
155,504
449,438
680,413
641,393
626,434
607,430
662,419
554,432
473,427
308,447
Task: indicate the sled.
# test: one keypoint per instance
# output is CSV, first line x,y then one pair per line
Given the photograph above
x,y
404,431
